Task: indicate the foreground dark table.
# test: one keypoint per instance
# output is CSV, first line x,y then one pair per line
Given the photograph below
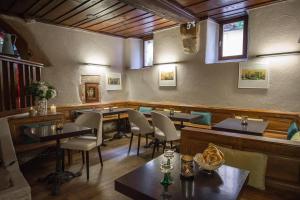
x,y
49,132
144,183
234,125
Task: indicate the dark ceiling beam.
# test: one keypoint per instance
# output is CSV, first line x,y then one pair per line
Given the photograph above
x,y
165,9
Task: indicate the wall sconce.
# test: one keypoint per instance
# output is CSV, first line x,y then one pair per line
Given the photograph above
x,y
95,64
279,54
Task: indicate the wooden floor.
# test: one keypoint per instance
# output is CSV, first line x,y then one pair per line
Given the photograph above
x,y
101,183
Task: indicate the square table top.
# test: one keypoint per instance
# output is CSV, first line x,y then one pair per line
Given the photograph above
x,y
143,183
104,111
49,132
234,125
177,116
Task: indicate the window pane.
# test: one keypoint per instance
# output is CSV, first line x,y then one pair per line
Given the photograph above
x,y
233,37
148,53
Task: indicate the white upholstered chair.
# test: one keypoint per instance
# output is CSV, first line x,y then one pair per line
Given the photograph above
x,y
87,143
19,189
165,130
140,126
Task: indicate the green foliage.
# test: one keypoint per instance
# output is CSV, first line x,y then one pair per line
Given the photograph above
x,y
41,90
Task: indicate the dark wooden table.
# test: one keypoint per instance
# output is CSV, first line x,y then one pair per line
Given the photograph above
x,y
234,125
107,112
48,133
177,116
144,183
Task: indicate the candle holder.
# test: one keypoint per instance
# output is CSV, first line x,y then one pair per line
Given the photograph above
x,y
244,120
166,166
172,112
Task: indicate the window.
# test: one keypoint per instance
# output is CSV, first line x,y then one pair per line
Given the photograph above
x,y
233,39
148,52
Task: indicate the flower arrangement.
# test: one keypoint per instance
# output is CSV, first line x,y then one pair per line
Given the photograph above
x,y
41,90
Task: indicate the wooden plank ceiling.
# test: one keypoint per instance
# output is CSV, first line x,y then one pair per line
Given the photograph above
x,y
126,18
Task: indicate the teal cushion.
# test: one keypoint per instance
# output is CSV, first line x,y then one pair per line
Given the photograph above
x,y
145,109
292,130
204,120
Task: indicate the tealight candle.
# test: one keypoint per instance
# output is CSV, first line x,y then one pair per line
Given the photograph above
x,y
53,108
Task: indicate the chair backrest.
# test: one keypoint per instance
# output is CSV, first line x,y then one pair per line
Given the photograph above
x,y
92,120
138,119
164,124
7,150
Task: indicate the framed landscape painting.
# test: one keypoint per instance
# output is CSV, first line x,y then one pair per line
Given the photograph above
x,y
113,81
253,75
167,76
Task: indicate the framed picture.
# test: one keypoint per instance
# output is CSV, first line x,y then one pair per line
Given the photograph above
x,y
113,81
253,75
167,76
91,92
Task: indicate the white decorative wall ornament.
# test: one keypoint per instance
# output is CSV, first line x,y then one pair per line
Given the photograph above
x,y
190,34
167,76
253,74
113,81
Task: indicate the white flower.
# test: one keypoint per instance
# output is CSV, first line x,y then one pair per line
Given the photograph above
x,y
53,93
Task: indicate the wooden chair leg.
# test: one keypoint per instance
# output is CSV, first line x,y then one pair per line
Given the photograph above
x,y
100,156
87,165
139,143
154,147
157,145
82,155
171,144
63,159
130,143
146,140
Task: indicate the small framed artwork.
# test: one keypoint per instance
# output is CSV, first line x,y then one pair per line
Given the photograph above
x,y
113,81
253,75
91,92
167,76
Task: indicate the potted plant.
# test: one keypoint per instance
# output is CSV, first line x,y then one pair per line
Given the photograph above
x,y
42,92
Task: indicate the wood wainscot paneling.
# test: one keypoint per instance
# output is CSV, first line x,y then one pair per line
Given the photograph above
x,y
279,121
283,168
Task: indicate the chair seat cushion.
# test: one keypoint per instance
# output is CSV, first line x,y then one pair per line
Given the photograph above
x,y
161,136
79,144
135,130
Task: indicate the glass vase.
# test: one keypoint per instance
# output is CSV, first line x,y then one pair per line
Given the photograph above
x,y
41,106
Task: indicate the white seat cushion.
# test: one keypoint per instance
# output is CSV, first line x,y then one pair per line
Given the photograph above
x,y
161,136
79,144
135,130
88,137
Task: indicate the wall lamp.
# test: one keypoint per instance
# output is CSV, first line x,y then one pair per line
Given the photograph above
x,y
279,54
95,64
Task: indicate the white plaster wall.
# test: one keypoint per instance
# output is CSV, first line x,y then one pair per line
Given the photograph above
x,y
63,49
272,28
133,53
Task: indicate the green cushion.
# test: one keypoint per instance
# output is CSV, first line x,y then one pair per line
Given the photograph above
x,y
292,130
296,137
204,120
145,109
